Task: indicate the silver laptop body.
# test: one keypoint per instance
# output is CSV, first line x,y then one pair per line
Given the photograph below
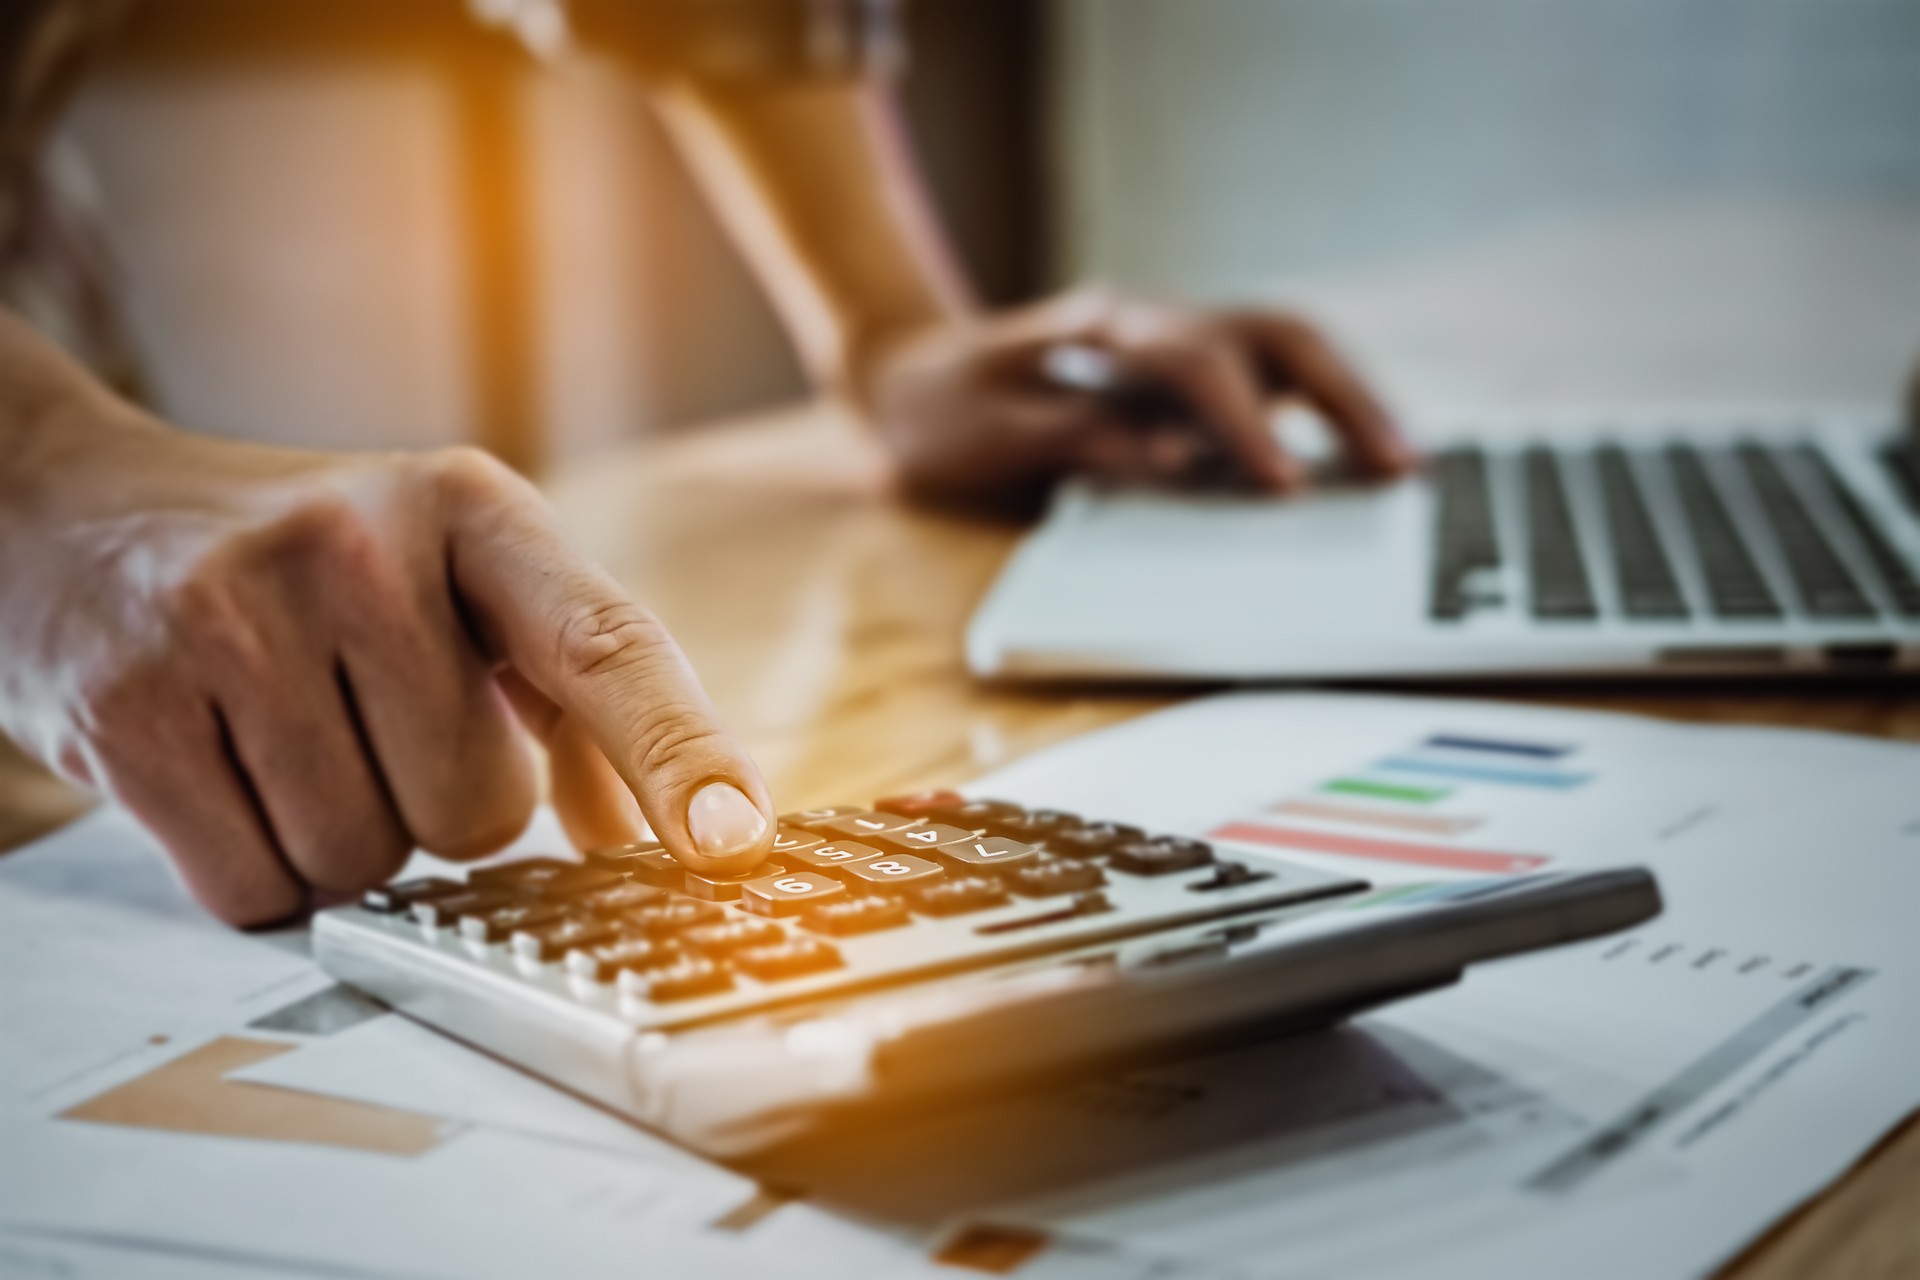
x,y
1611,546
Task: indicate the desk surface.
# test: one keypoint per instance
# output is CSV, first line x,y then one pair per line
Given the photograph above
x,y
825,620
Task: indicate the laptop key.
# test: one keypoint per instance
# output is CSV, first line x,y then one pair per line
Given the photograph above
x,y
1898,576
1826,588
1649,589
1735,588
1555,565
1465,543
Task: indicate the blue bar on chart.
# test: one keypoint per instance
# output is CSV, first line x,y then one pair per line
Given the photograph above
x,y
1553,780
1499,746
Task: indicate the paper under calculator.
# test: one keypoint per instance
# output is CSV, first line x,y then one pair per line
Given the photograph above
x,y
928,946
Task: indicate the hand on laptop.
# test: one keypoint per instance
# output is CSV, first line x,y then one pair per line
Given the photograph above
x,y
296,667
999,408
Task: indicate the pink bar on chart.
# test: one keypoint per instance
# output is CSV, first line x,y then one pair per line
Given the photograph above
x,y
1433,824
1483,861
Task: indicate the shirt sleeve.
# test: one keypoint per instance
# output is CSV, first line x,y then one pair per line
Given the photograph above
x,y
743,41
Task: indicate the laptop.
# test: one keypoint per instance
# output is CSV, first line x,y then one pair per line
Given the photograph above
x,y
1621,545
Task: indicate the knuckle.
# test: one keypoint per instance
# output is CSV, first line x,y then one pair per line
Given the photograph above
x,y
354,861
465,474
248,897
614,636
676,736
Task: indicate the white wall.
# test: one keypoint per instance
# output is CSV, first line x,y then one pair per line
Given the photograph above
x,y
1206,143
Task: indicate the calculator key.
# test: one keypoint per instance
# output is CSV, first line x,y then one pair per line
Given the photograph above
x,y
398,898
825,857
863,826
811,819
618,898
727,888
977,815
921,804
543,876
1092,839
554,938
984,854
793,839
670,917
648,862
601,962
966,893
792,959
919,839
1033,825
1160,856
857,915
500,923
894,874
441,910
681,979
1042,877
731,935
790,894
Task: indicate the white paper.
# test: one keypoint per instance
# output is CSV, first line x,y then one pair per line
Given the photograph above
x,y
1424,1140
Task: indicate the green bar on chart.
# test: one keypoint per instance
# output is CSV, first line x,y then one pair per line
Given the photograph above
x,y
1387,790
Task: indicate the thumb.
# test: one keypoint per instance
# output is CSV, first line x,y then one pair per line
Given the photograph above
x,y
571,633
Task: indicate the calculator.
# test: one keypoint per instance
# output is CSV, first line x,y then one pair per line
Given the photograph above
x,y
927,947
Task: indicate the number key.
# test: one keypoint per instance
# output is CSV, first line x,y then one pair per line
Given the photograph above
x,y
892,875
648,862
811,819
864,825
789,840
790,894
727,888
985,855
826,857
917,839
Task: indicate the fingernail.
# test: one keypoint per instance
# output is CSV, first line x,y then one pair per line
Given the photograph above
x,y
723,821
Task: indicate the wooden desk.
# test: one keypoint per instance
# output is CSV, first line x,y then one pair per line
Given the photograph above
x,y
825,620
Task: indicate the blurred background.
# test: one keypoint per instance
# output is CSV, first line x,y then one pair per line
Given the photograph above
x,y
373,222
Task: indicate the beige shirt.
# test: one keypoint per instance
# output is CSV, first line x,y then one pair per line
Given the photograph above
x,y
57,274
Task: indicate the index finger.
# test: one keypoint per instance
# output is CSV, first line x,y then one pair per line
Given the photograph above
x,y
570,630
1305,362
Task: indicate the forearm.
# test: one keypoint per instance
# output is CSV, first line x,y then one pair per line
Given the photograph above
x,y
49,406
818,184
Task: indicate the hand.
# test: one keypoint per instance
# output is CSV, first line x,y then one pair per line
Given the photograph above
x,y
295,668
984,411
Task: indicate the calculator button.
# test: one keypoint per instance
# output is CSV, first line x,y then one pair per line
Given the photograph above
x,y
792,959
1034,825
600,963
789,894
727,888
441,910
863,826
616,899
919,839
857,915
1044,876
732,935
793,839
680,979
1092,839
554,938
825,857
952,897
1160,856
673,915
811,819
541,876
921,804
649,863
984,854
977,815
1231,875
397,899
502,922
894,874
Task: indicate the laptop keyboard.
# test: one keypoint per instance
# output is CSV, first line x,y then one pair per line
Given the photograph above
x,y
1625,543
